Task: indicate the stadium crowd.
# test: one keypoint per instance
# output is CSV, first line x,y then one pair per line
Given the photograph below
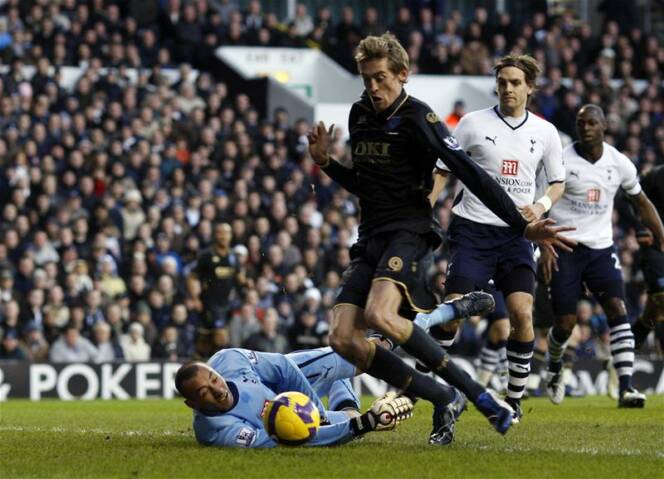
x,y
112,191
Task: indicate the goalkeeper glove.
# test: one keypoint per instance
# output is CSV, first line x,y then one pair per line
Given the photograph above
x,y
384,415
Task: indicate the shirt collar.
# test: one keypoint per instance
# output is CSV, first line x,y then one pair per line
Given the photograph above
x,y
390,110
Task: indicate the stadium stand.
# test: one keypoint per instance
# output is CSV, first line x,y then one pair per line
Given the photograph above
x,y
110,190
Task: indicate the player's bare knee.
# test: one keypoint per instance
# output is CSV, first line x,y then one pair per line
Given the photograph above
x,y
566,323
500,330
521,318
614,308
342,344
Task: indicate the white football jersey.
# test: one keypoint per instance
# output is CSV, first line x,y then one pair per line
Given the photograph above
x,y
510,153
590,189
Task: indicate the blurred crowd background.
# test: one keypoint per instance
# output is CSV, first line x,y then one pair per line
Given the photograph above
x,y
145,217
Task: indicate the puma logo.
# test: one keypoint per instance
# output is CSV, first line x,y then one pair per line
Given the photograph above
x,y
492,140
574,173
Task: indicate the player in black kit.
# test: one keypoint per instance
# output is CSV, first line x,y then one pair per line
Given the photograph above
x,y
395,141
651,255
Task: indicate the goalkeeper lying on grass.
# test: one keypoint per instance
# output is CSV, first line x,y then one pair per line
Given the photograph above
x,y
228,395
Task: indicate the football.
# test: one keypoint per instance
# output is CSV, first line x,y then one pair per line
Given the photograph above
x,y
291,418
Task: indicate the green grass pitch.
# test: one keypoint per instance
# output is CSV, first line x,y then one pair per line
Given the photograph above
x,y
582,438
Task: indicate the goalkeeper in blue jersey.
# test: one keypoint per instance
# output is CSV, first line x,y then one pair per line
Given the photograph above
x,y
228,395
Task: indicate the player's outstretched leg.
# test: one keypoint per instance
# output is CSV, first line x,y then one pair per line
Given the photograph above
x,y
389,367
445,418
381,314
476,303
425,348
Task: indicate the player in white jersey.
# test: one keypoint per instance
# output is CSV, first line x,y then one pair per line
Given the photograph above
x,y
512,145
595,171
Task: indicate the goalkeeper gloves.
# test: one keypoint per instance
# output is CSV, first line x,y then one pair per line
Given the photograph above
x,y
384,415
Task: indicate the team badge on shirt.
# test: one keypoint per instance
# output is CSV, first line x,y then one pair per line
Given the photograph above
x,y
245,437
510,168
432,117
451,143
395,263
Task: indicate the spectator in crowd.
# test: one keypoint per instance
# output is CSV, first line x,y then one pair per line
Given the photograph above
x,y
7,292
453,118
71,347
108,349
308,331
10,348
169,346
35,344
303,22
268,339
134,346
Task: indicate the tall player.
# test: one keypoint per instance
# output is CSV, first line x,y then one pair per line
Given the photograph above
x,y
395,142
595,171
512,145
652,264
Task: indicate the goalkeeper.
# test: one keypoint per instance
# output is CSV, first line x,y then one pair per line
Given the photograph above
x,y
229,393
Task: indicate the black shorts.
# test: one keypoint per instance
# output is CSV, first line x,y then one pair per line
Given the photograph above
x,y
402,257
652,265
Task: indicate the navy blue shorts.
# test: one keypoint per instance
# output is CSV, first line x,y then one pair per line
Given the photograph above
x,y
479,253
599,269
500,311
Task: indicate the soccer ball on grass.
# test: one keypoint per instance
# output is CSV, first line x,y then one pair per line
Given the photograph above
x,y
291,418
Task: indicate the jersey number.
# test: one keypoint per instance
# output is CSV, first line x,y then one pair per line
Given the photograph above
x,y
617,261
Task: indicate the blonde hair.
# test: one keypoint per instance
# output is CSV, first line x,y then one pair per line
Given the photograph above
x,y
527,64
384,46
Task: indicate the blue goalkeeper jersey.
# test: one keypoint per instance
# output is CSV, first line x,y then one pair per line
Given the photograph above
x,y
254,378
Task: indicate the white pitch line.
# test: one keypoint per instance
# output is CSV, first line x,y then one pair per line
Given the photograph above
x,y
590,451
512,448
92,431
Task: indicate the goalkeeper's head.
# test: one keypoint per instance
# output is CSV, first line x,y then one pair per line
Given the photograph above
x,y
203,388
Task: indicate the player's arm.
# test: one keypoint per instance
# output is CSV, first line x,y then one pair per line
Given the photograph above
x,y
439,181
649,216
239,435
542,205
281,374
320,140
642,204
385,414
552,160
